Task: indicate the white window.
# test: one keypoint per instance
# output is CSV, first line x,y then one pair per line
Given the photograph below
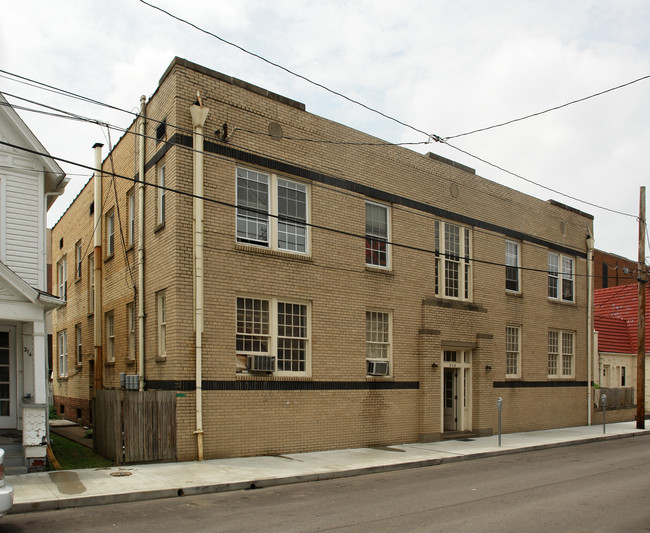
x,y
63,278
110,234
161,195
110,337
63,353
560,281
274,328
131,210
91,284
78,260
513,351
377,235
560,353
162,324
130,317
512,266
79,345
378,339
453,270
272,211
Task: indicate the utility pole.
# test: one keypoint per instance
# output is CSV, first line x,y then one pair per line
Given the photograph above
x,y
640,354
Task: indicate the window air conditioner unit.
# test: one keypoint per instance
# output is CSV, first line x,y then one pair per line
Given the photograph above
x,y
377,368
261,363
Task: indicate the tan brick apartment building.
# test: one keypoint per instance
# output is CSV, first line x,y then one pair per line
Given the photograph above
x,y
355,293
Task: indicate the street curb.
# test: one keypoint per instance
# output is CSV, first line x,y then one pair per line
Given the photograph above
x,y
180,491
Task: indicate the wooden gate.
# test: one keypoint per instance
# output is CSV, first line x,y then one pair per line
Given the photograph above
x,y
135,426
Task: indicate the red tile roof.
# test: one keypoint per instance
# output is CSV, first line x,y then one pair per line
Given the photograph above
x,y
616,312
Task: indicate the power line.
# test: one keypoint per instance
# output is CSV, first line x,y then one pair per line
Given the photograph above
x,y
352,100
519,176
547,110
307,224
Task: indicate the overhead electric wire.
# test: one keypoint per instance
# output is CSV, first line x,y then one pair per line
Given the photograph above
x,y
271,215
288,71
444,139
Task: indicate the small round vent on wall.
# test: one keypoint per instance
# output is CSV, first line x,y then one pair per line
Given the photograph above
x,y
275,131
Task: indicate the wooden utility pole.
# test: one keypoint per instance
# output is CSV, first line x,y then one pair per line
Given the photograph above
x,y
640,354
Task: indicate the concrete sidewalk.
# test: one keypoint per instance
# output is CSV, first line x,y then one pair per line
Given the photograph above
x,y
77,488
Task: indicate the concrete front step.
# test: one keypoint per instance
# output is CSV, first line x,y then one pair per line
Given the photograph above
x,y
14,459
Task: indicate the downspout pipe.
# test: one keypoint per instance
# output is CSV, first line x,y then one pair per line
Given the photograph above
x,y
142,131
97,311
590,320
199,114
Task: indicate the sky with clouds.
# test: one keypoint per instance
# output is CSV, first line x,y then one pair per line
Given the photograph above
x,y
445,67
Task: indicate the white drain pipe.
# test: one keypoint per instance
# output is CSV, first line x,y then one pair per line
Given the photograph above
x,y
199,114
141,161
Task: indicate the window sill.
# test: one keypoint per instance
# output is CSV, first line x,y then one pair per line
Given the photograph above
x,y
77,280
379,270
245,376
379,378
562,302
161,358
108,258
130,248
130,362
250,248
159,227
514,294
109,363
62,379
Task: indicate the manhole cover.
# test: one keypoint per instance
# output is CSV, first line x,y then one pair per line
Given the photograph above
x,y
120,474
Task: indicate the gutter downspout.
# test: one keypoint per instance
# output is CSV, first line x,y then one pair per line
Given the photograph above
x,y
199,114
141,245
590,320
97,311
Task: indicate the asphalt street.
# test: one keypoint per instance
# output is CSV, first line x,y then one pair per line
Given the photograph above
x,y
600,486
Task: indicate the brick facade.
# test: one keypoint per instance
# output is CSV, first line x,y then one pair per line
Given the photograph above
x,y
611,270
435,341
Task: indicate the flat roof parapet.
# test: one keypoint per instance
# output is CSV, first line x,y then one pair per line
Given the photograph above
x,y
446,161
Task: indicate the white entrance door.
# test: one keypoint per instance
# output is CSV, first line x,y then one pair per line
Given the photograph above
x,y
456,391
7,377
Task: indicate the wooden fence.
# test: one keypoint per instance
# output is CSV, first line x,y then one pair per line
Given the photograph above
x,y
619,397
135,426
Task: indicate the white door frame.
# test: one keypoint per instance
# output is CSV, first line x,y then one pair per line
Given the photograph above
x,y
11,420
461,361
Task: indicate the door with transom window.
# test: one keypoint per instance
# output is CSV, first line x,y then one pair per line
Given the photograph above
x,y
456,391
7,381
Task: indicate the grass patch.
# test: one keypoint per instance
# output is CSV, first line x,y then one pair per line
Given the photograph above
x,y
72,455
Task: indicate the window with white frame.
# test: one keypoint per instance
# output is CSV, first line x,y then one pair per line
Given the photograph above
x,y
513,351
162,323
272,211
161,195
78,343
453,270
110,234
378,339
63,353
130,320
110,337
560,277
62,269
78,254
271,327
91,284
377,225
561,353
130,201
512,266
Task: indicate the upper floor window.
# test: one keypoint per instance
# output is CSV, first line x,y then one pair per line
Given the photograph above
x,y
110,234
78,253
130,201
273,335
130,320
161,195
377,235
272,211
513,351
110,337
512,266
91,284
453,270
560,277
63,279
